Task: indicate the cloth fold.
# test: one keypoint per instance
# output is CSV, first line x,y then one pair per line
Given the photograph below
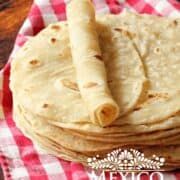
x,y
19,157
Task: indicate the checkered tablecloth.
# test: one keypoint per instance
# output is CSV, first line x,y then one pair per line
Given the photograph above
x,y
19,158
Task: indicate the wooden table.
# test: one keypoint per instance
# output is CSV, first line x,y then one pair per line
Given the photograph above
x,y
12,14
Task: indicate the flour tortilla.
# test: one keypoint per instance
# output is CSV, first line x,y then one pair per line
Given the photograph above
x,y
158,47
79,144
58,134
115,131
50,87
51,147
88,62
159,101
171,153
43,79
168,136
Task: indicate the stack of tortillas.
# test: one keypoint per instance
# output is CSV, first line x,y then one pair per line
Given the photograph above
x,y
89,85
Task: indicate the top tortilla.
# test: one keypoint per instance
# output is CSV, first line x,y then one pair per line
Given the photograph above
x,y
50,89
53,72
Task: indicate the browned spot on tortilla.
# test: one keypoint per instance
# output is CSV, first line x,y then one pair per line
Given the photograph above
x,y
175,49
157,50
34,62
133,35
175,22
106,111
110,81
156,34
150,95
90,85
137,108
69,84
158,95
125,32
53,40
45,105
129,34
55,27
99,57
118,29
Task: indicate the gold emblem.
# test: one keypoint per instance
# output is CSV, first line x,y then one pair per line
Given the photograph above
x,y
126,160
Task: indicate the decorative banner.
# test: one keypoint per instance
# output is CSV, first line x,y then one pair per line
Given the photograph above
x,y
126,160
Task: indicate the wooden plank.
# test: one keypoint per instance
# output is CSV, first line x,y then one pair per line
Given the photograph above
x,y
12,15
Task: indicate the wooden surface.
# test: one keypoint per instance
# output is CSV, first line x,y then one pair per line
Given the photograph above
x,y
12,14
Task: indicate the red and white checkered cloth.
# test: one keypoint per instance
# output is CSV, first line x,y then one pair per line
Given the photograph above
x,y
19,158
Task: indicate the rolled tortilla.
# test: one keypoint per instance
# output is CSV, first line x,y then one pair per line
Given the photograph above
x,y
88,62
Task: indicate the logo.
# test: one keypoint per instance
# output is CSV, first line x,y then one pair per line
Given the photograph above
x,y
126,160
